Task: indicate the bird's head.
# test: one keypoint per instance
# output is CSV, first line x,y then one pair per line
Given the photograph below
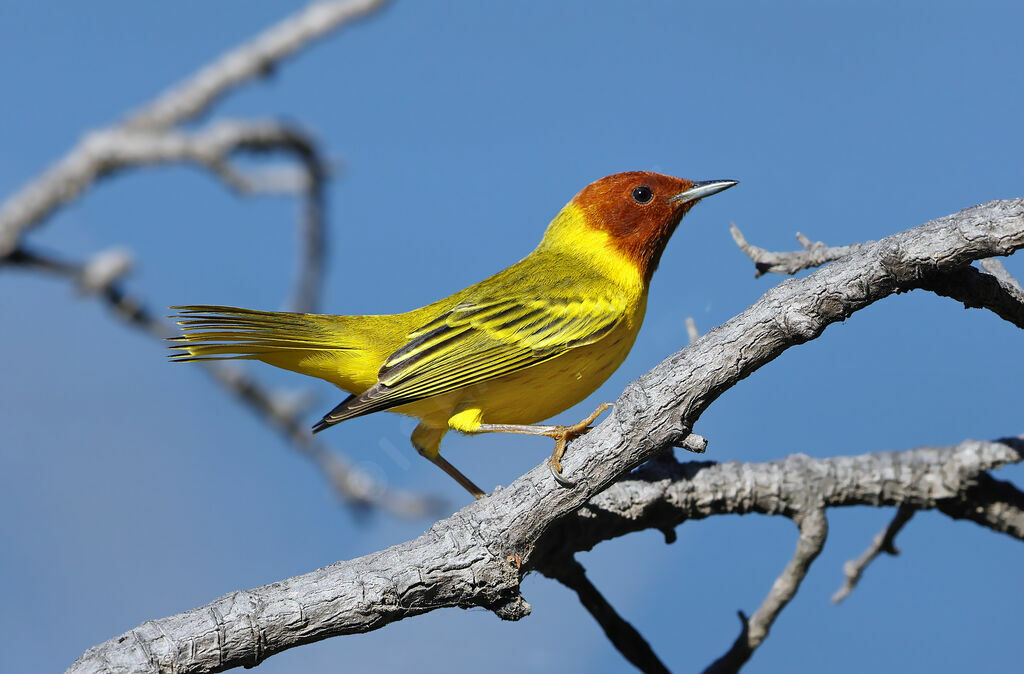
x,y
633,213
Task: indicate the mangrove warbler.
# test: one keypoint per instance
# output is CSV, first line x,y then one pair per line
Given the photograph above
x,y
512,350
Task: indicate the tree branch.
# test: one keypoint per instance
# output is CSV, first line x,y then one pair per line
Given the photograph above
x,y
254,58
107,152
996,291
883,542
997,269
62,182
619,631
101,277
463,560
979,290
991,503
692,333
814,254
813,532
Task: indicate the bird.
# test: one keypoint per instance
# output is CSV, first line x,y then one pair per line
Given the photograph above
x,y
499,356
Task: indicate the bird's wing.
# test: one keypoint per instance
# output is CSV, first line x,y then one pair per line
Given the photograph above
x,y
480,340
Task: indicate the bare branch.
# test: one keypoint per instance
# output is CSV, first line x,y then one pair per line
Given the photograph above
x,y
619,631
354,487
991,503
691,330
465,560
663,494
66,178
104,270
997,291
978,290
883,542
814,254
107,152
462,561
998,269
813,531
255,58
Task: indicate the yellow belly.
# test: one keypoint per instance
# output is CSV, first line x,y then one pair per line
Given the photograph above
x,y
533,394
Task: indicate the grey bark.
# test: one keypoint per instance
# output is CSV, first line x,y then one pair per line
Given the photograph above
x,y
464,560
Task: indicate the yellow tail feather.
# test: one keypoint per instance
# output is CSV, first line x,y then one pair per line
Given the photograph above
x,y
321,346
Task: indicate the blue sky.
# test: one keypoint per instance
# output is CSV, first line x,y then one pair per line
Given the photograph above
x,y
133,489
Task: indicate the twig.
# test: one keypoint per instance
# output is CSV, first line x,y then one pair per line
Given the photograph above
x,y
354,487
814,254
619,631
883,542
813,532
998,269
691,330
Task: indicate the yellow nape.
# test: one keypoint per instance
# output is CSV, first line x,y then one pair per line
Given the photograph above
x,y
571,232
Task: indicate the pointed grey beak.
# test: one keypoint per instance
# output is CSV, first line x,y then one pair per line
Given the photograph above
x,y
702,189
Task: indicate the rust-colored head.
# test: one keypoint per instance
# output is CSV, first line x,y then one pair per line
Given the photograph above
x,y
641,209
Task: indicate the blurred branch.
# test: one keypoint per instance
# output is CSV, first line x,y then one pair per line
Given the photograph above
x,y
255,58
998,269
151,136
883,542
101,276
463,560
992,503
691,330
106,152
626,639
63,181
813,531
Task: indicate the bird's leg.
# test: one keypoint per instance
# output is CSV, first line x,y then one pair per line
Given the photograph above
x,y
427,441
456,475
561,434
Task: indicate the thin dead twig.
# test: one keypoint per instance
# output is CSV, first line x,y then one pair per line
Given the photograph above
x,y
883,542
813,532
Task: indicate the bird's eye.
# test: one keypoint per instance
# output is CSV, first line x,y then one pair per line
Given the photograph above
x,y
642,194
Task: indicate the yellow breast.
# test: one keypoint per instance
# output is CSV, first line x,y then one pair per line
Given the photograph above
x,y
536,393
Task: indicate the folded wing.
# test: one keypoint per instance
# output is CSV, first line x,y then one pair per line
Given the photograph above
x,y
481,340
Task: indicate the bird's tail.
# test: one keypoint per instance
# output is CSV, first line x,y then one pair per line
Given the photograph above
x,y
312,344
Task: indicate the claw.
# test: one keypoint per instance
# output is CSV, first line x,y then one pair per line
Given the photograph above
x,y
562,436
557,474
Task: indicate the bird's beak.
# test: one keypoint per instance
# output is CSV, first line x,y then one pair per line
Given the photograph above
x,y
702,189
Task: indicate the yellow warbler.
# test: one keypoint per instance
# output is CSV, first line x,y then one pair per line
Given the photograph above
x,y
512,350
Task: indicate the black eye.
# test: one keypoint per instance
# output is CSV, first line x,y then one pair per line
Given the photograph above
x,y
642,194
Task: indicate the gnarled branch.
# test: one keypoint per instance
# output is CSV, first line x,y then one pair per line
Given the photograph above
x,y
463,560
